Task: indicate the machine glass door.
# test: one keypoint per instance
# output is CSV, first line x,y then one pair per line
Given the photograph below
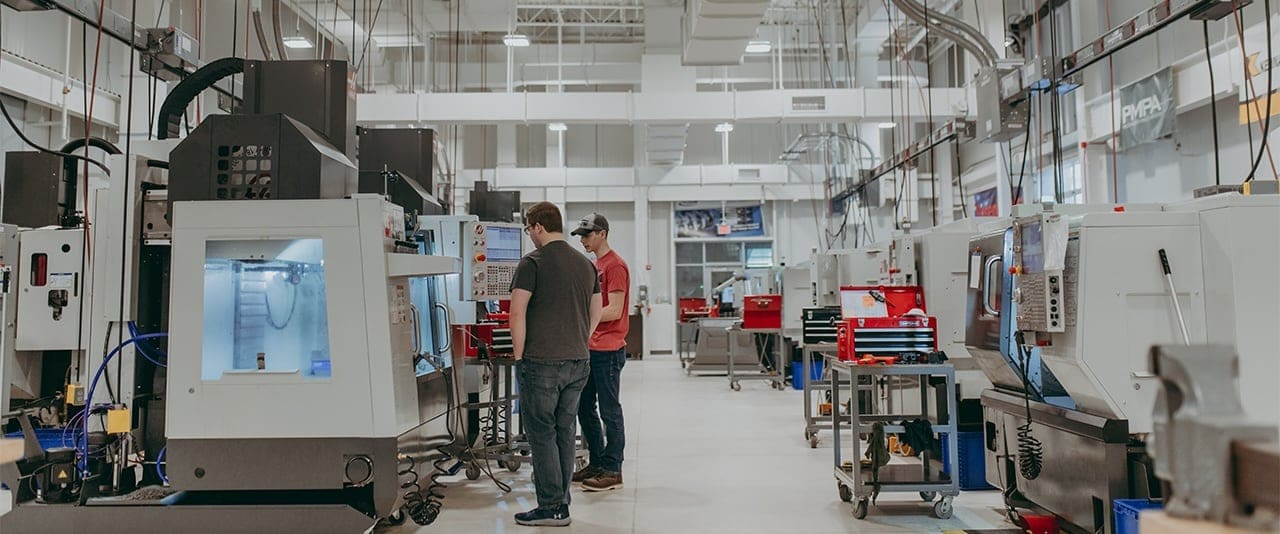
x,y
265,309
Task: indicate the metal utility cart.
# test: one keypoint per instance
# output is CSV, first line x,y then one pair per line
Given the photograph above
x,y
687,340
923,475
816,422
759,371
501,437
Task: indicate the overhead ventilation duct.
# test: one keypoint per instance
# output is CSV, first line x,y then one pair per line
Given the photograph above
x,y
717,31
665,144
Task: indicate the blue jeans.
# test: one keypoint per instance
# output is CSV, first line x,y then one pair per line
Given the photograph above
x,y
606,444
549,395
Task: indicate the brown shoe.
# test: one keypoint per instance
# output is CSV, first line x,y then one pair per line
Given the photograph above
x,y
604,481
586,473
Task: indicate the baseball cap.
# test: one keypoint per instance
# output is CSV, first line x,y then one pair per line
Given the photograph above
x,y
591,223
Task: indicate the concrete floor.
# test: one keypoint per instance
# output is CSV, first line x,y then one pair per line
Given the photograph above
x,y
702,458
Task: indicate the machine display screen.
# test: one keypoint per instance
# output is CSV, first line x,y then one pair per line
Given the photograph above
x,y
503,243
1032,248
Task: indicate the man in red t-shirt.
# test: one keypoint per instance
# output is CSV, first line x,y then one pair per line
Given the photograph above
x,y
608,355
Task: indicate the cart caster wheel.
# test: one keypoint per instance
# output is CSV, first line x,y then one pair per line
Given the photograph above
x,y
928,496
860,510
813,441
846,494
513,466
735,386
502,464
396,518
473,472
942,509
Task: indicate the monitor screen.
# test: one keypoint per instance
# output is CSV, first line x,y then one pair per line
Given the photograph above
x,y
503,243
1032,248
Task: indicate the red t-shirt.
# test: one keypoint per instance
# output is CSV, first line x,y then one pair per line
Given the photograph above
x,y
614,277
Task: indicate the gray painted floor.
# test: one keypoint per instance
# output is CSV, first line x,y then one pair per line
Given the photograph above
x,y
702,458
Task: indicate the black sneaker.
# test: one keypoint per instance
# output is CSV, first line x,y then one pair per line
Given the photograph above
x,y
550,516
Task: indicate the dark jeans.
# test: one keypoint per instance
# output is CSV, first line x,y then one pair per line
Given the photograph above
x,y
549,395
602,390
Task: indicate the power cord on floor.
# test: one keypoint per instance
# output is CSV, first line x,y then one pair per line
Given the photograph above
x,y
1030,450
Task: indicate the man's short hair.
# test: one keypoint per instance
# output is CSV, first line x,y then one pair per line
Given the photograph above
x,y
546,214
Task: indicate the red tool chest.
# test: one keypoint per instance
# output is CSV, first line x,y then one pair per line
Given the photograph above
x,y
886,339
762,311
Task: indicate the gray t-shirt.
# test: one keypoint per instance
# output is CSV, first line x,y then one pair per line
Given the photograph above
x,y
562,280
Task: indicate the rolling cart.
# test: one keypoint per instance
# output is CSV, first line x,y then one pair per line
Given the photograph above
x,y
687,340
813,423
923,475
501,436
776,377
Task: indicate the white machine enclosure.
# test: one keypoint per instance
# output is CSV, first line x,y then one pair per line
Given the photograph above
x,y
1117,305
446,238
371,388
50,289
797,294
1242,292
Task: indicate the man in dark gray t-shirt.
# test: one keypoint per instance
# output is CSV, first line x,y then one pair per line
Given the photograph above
x,y
555,306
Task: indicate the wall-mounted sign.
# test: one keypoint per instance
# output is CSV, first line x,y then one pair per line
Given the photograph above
x,y
744,221
985,203
1147,110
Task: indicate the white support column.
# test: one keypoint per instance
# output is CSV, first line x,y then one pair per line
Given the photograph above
x,y
507,146
639,273
944,172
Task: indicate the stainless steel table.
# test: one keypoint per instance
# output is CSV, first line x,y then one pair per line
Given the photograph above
x,y
923,475
776,377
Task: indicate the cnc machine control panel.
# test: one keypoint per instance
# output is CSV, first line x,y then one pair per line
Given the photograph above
x,y
491,251
1039,291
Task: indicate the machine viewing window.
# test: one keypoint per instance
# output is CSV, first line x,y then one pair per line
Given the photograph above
x,y
265,309
1032,248
503,243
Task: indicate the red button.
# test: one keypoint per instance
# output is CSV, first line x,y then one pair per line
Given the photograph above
x,y
1013,270
1118,209
481,257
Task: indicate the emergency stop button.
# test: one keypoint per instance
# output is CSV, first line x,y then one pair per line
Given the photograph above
x,y
481,257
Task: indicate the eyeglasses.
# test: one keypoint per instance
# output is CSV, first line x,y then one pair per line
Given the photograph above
x,y
526,229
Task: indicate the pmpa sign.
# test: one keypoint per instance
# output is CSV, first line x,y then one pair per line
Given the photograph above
x,y
1147,110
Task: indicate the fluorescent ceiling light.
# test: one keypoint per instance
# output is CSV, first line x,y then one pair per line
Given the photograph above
x,y
395,41
297,41
887,125
759,47
724,127
557,127
515,39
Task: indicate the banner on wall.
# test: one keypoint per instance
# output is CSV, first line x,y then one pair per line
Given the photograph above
x,y
743,221
1147,110
985,203
1254,94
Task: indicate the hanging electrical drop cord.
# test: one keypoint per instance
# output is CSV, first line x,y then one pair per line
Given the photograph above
x,y
369,38
1266,122
1213,105
1055,110
1016,194
1252,105
1030,450
130,175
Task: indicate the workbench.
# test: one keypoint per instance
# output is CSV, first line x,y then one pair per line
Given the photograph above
x,y
924,474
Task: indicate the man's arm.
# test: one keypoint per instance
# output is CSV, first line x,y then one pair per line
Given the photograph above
x,y
519,324
616,308
597,309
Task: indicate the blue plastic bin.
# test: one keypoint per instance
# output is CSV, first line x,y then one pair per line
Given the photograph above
x,y
797,371
973,461
50,438
1127,510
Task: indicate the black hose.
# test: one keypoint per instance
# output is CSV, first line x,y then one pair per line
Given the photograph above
x,y
71,174
262,36
1213,106
1266,122
281,49
1030,450
169,118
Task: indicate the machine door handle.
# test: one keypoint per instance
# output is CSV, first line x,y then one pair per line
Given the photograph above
x,y
989,268
417,330
1142,374
448,317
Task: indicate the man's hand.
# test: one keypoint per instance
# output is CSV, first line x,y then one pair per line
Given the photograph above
x,y
597,310
519,321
